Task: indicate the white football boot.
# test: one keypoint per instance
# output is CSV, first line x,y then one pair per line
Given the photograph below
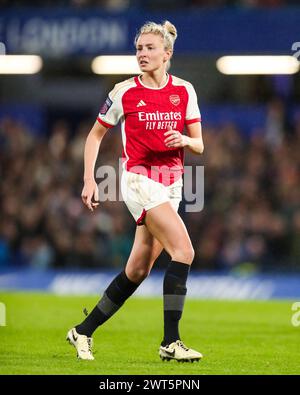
x,y
178,351
82,343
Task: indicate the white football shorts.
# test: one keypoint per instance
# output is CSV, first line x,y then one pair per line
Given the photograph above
x,y
141,193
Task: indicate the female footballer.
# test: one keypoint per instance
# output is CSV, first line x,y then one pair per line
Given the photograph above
x,y
154,108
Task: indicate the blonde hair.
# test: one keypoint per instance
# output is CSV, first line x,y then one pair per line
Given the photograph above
x,y
166,30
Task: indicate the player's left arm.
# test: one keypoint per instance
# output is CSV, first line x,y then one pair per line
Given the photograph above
x,y
194,140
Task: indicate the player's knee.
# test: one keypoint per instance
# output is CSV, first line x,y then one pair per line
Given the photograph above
x,y
184,254
140,274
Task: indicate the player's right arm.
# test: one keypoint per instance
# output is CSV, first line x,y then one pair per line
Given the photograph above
x,y
91,149
109,115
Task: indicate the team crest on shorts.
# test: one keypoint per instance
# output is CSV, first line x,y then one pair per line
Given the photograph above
x,y
175,99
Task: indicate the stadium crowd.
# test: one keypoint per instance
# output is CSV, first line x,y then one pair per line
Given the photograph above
x,y
251,216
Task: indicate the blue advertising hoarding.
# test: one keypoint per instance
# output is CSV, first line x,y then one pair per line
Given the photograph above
x,y
70,32
200,286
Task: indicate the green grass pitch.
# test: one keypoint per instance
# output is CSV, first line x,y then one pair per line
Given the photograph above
x,y
244,337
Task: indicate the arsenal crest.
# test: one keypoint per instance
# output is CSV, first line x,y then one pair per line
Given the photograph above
x,y
175,99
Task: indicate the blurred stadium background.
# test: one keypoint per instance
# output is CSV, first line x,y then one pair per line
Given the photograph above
x,y
246,239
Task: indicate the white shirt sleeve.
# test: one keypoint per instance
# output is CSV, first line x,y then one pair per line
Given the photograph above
x,y
112,109
192,110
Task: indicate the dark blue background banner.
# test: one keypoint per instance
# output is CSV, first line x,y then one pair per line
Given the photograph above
x,y
68,32
207,286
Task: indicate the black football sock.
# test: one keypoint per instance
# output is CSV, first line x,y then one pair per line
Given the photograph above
x,y
174,289
113,298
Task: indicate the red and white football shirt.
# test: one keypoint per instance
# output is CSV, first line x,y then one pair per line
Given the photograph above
x,y
145,114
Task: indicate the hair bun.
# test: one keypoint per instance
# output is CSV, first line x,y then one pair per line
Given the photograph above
x,y
171,29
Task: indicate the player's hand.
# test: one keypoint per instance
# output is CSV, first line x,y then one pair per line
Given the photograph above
x,y
175,139
89,193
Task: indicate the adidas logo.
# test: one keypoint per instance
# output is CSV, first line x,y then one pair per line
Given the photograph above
x,y
141,103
